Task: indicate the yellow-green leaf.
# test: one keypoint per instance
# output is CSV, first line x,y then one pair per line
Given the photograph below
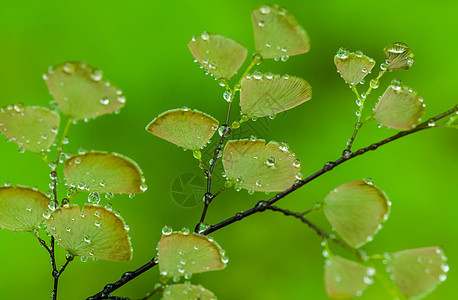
x,y
218,54
81,91
181,254
31,127
277,32
21,208
399,107
190,129
353,67
346,279
356,210
270,94
104,173
187,292
417,272
399,56
94,232
253,165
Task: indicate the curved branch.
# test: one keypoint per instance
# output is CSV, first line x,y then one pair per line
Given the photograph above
x,y
264,205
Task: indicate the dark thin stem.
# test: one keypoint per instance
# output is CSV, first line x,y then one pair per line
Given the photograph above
x,y
115,298
317,206
125,278
51,249
208,197
55,273
149,295
263,205
43,243
222,189
318,230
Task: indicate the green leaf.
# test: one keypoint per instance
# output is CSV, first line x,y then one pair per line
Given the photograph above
x,y
399,55
31,127
399,107
417,272
104,173
277,33
218,54
81,92
187,292
346,279
270,94
190,129
21,208
353,67
356,210
253,165
181,254
94,232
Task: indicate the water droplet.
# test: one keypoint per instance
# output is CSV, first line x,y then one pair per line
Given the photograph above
x,y
325,253
68,68
166,230
251,192
299,175
96,75
65,202
374,83
205,36
257,74
261,23
122,99
270,161
83,259
342,53
224,130
227,95
284,146
297,163
445,267
265,9
346,154
104,101
235,125
94,198
87,239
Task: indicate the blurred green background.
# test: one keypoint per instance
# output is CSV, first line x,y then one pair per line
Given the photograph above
x,y
141,46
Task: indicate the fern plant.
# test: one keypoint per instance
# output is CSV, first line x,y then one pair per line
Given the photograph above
x,y
356,210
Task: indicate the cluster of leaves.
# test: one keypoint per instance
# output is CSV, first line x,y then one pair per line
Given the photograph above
x,y
355,210
95,231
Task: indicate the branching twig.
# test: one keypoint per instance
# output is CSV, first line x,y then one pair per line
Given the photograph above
x,y
347,155
318,230
125,278
264,205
